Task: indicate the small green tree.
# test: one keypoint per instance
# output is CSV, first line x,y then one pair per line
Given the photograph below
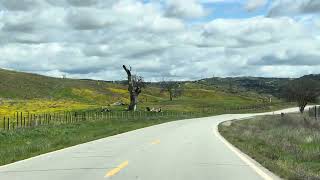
x,y
302,91
173,88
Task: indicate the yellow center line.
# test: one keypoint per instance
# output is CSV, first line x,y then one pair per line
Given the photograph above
x,y
155,142
117,169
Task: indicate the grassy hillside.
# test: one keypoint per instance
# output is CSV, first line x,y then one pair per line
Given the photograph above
x,y
313,77
39,94
259,85
30,92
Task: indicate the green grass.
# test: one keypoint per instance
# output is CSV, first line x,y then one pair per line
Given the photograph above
x,y
58,95
289,146
38,94
25,92
25,143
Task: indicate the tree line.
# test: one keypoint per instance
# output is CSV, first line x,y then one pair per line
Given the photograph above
x,y
136,84
303,91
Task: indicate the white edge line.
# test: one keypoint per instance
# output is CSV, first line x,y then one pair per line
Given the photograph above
x,y
249,161
257,167
70,147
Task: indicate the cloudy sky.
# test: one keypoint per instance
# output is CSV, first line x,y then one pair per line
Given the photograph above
x,y
172,39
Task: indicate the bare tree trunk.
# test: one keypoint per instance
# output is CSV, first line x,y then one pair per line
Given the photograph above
x,y
134,91
171,95
302,106
133,102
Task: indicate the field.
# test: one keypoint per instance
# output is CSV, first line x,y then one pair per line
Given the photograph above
x,y
289,146
47,114
20,143
24,92
24,143
39,106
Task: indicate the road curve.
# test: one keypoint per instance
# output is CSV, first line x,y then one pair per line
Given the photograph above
x,y
180,150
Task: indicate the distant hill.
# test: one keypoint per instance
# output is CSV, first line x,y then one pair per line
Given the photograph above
x,y
312,76
260,85
28,86
37,91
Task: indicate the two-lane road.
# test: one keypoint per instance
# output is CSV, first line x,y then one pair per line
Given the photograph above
x,y
181,150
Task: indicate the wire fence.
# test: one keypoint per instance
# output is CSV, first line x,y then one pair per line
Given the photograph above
x,y
23,120
314,112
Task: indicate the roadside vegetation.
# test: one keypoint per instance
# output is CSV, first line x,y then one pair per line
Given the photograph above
x,y
43,114
304,91
289,145
20,144
24,92
39,106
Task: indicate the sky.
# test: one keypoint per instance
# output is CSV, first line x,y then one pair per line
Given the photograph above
x,y
161,39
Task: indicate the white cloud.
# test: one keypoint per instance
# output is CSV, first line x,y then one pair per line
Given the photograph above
x,y
92,39
82,2
293,7
252,5
89,18
219,1
22,5
251,32
185,9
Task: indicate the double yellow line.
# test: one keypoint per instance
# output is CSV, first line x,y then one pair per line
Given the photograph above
x,y
124,164
117,169
155,142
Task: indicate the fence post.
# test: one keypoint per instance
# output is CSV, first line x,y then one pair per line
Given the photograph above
x,y
4,123
28,118
17,116
8,124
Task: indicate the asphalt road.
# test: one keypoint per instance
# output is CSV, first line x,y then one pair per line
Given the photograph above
x,y
181,150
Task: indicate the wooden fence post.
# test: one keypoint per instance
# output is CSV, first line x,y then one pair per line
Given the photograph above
x,y
4,123
17,116
8,124
21,119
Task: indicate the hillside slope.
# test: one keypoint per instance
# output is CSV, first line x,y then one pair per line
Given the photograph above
x,y
260,85
30,92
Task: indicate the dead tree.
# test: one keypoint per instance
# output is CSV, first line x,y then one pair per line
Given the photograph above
x,y
303,91
135,85
173,88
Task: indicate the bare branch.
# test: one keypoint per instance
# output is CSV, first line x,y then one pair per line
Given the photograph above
x,y
303,91
135,85
173,88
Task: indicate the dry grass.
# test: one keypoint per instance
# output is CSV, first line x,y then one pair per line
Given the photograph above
x,y
288,146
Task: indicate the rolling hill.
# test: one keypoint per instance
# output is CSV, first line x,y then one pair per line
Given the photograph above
x,y
261,85
36,93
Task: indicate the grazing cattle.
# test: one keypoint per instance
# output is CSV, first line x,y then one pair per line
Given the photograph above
x,y
157,110
118,104
105,110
